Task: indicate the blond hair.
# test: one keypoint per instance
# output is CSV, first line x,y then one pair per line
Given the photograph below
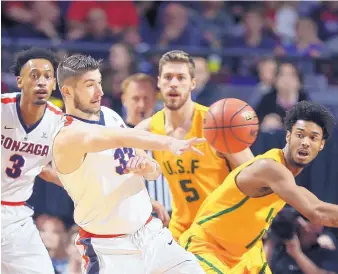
x,y
178,56
137,77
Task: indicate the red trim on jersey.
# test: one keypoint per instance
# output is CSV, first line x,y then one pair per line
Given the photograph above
x,y
53,109
8,100
85,234
69,120
12,203
86,258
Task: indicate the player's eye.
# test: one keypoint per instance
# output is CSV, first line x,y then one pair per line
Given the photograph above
x,y
299,135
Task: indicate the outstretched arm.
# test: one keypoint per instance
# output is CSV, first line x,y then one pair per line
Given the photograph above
x,y
91,138
74,141
282,182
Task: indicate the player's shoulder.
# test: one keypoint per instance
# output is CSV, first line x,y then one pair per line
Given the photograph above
x,y
268,168
109,111
201,109
9,98
112,116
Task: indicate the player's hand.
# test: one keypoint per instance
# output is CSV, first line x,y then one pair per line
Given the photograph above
x,y
177,147
140,165
161,212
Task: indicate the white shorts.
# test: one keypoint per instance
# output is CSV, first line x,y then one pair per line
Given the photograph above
x,y
151,250
22,250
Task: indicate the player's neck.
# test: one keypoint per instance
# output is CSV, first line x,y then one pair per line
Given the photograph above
x,y
31,113
177,118
83,115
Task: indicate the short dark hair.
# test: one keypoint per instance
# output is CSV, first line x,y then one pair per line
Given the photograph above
x,y
24,56
309,111
74,66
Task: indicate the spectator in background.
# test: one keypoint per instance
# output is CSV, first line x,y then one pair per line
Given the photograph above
x,y
97,29
287,92
121,64
255,36
54,236
214,22
285,21
174,28
74,257
120,15
206,91
267,69
138,98
298,246
37,19
307,42
326,17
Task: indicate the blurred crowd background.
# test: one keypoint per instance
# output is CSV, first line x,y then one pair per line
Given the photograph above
x,y
270,54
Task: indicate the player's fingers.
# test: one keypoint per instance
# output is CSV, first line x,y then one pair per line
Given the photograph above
x,y
131,162
143,164
197,151
197,141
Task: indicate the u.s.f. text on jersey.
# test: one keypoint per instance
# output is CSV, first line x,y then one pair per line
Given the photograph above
x,y
24,147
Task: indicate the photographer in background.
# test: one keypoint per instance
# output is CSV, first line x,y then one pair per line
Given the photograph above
x,y
297,246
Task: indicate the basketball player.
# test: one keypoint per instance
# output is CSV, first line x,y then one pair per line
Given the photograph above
x,y
236,215
97,164
191,177
28,124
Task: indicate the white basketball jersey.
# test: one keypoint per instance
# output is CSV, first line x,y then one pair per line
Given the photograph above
x,y
24,151
106,201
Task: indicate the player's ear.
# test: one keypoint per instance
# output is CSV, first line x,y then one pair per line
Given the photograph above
x,y
322,145
65,91
158,81
19,82
193,81
288,136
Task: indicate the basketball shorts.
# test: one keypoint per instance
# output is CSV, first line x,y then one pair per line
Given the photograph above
x,y
150,250
214,259
22,250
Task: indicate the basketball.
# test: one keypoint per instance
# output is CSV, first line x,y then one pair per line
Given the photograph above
x,y
230,125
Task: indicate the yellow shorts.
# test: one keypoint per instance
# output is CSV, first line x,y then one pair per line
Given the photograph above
x,y
214,259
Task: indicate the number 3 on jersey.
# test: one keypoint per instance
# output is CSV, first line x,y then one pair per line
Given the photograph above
x,y
16,169
120,154
194,196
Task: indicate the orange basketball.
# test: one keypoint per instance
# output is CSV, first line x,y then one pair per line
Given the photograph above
x,y
230,125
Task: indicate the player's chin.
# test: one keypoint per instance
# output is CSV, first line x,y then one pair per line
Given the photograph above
x,y
40,102
301,162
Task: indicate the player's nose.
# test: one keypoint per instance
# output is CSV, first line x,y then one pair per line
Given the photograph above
x,y
42,82
306,142
174,82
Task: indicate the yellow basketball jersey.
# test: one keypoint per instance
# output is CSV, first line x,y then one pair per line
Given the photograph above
x,y
235,221
191,177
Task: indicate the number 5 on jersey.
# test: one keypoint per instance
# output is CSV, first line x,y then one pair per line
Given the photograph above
x,y
16,169
193,194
